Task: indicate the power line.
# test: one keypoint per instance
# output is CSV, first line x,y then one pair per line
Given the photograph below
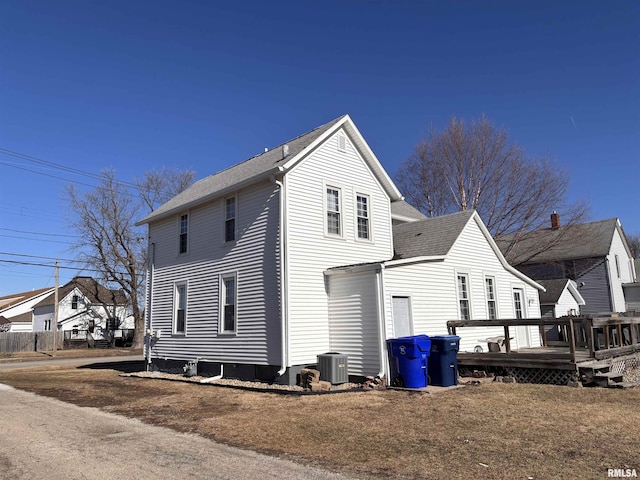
x,y
25,255
41,233
35,239
58,166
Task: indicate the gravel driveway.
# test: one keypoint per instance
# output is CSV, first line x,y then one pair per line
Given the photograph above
x,y
43,438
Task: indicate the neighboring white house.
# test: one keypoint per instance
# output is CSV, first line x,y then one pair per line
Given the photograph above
x,y
561,298
84,305
16,310
291,254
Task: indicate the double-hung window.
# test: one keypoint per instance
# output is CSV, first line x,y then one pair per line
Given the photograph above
x,y
362,206
491,297
74,302
463,297
184,230
180,309
230,214
334,220
228,303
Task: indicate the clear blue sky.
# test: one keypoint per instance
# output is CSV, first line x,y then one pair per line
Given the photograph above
x,y
136,85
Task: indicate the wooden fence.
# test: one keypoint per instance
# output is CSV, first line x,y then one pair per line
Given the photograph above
x,y
13,342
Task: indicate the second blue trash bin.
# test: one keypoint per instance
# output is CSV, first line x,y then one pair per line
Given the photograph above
x,y
411,357
443,362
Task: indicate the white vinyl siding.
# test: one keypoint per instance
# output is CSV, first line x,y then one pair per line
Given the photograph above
x,y
311,251
353,321
434,287
255,258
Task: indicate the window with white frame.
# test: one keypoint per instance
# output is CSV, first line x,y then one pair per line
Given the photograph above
x,y
47,325
362,206
180,308
184,230
617,265
228,303
490,284
74,302
230,214
517,303
463,297
334,225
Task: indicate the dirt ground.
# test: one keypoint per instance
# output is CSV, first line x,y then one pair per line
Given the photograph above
x,y
493,430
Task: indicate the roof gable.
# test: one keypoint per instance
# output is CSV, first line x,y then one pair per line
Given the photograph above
x,y
275,161
555,288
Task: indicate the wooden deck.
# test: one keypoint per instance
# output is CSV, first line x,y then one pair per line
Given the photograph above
x,y
578,344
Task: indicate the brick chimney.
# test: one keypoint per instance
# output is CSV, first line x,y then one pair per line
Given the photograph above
x,y
555,220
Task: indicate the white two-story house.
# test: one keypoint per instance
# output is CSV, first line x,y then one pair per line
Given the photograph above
x,y
310,248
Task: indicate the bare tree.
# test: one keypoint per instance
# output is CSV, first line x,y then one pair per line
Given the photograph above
x,y
110,243
476,166
634,244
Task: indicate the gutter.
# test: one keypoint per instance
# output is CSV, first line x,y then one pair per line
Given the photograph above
x,y
382,321
284,304
149,303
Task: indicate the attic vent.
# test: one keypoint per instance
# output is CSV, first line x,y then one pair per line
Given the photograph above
x,y
342,143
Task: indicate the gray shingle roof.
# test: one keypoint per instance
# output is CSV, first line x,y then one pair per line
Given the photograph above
x,y
90,288
433,236
403,209
255,167
554,289
584,240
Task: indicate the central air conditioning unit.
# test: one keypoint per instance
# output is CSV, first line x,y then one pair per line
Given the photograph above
x,y
333,367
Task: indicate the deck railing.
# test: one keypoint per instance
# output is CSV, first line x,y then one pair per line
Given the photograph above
x,y
602,336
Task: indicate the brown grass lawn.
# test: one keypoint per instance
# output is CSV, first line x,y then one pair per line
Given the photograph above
x,y
493,430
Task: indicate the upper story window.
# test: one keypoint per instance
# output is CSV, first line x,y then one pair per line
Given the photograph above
x,y
463,297
517,303
362,202
230,214
617,265
180,308
74,302
490,285
334,217
228,302
184,230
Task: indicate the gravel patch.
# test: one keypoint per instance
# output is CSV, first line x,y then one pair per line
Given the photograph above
x,y
248,385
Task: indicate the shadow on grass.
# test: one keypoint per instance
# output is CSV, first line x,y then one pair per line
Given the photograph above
x,y
127,366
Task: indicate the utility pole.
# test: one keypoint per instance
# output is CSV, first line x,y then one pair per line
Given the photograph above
x,y
55,312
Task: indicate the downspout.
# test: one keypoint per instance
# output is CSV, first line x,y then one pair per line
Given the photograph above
x,y
382,321
149,303
284,324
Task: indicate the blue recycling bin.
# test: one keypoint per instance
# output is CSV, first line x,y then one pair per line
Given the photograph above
x,y
443,361
409,357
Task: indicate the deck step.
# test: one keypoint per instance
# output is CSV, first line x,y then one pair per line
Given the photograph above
x,y
597,366
607,379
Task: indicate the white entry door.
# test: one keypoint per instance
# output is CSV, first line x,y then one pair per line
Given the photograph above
x,y
401,316
523,333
